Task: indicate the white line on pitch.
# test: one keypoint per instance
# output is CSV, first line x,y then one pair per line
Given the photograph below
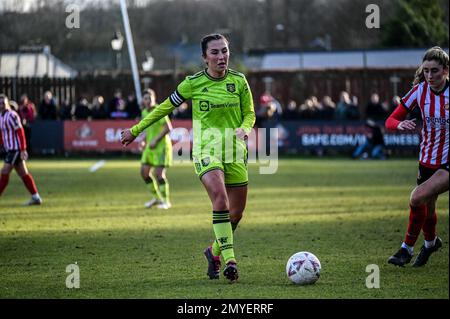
x,y
96,166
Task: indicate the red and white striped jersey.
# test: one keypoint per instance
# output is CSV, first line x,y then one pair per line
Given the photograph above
x,y
9,124
434,109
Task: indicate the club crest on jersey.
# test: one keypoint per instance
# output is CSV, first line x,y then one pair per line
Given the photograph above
x,y
205,161
204,106
231,87
446,106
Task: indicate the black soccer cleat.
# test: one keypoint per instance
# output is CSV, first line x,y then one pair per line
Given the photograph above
x,y
400,258
425,253
213,263
230,272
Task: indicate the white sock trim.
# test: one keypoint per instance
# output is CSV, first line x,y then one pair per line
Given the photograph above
x,y
408,248
430,243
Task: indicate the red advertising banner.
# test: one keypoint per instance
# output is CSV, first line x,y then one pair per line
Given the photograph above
x,y
102,136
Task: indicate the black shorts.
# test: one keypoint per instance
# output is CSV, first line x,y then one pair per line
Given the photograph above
x,y
425,172
12,157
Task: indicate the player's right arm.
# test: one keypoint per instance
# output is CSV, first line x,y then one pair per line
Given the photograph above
x,y
397,120
181,94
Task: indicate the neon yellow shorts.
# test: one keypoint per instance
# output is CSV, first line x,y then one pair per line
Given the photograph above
x,y
236,174
157,157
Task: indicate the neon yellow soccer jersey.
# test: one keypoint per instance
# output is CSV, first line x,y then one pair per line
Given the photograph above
x,y
219,106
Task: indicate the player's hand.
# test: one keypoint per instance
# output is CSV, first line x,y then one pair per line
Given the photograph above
x,y
126,137
24,155
142,146
407,125
240,133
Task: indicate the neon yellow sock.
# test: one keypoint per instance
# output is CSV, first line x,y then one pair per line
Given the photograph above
x,y
215,244
224,234
154,188
164,189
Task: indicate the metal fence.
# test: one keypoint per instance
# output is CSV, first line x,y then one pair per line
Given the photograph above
x,y
63,89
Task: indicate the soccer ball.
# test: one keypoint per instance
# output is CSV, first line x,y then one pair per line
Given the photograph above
x,y
303,268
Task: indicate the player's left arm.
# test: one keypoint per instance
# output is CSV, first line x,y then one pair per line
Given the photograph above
x,y
167,127
248,112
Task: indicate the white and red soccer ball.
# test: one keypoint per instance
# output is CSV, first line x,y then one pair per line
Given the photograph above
x,y
303,268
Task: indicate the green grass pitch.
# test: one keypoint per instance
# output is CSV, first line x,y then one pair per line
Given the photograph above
x,y
348,213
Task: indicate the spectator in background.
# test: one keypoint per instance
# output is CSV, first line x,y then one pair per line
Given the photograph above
x,y
306,110
117,107
47,109
27,113
269,109
291,112
66,110
98,108
265,109
82,110
276,106
132,107
374,145
375,109
395,101
318,109
353,110
329,108
343,106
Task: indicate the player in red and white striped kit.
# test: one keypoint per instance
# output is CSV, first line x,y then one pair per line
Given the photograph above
x,y
430,95
12,139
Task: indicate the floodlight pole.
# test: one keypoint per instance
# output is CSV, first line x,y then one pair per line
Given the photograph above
x,y
131,53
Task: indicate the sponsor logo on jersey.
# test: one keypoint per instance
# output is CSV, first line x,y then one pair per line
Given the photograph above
x,y
231,87
204,106
205,90
437,121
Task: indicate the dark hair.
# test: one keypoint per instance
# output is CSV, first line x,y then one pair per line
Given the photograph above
x,y
149,92
210,37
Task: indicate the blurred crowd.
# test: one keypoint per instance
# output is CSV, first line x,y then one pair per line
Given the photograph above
x,y
325,109
267,108
96,109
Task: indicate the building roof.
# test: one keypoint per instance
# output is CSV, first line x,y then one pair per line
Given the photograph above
x,y
291,61
34,64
